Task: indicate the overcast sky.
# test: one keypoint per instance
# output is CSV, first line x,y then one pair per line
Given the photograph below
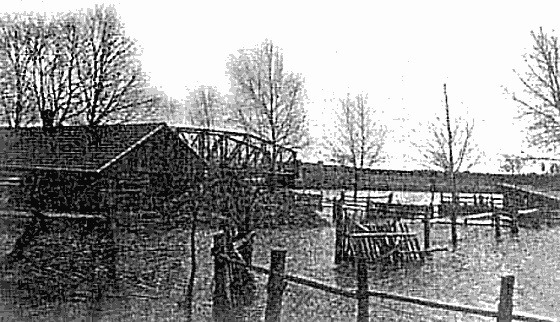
x,y
399,52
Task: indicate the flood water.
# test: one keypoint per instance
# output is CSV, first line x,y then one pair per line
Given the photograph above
x,y
470,275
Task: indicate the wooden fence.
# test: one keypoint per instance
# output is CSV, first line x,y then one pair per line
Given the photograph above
x,y
474,199
277,279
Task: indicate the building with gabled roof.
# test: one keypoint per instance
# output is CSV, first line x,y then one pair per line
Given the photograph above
x,y
93,169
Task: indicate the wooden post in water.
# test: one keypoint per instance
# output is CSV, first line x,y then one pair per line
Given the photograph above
x,y
276,285
220,302
339,230
368,206
505,307
363,298
320,205
514,223
334,210
427,230
496,217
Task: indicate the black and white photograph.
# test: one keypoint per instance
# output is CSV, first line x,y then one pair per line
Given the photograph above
x,y
279,161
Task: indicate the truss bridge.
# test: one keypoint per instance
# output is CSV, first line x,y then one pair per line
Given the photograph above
x,y
257,158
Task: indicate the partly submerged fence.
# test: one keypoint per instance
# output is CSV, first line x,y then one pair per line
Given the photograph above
x,y
278,280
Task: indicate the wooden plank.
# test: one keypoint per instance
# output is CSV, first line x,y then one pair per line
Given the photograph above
x,y
398,244
418,251
393,233
409,241
319,286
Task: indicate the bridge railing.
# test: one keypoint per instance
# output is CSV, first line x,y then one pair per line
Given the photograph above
x,y
239,149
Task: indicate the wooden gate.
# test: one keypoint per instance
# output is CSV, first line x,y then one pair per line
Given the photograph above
x,y
389,241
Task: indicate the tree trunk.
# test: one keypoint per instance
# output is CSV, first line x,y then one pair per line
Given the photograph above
x,y
451,172
190,288
356,177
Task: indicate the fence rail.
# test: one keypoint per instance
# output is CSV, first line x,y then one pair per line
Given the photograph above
x,y
278,278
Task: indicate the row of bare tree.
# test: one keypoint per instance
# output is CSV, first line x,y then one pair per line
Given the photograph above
x,y
75,68
539,103
81,68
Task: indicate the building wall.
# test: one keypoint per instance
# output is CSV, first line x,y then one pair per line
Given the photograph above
x,y
159,169
52,190
144,179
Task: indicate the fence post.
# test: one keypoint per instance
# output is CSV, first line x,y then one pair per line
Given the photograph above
x,y
335,210
338,224
220,303
276,285
427,231
505,307
320,206
514,224
363,298
496,216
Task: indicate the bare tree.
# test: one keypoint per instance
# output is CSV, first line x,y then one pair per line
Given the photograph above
x,y
358,137
269,101
17,106
540,99
434,151
71,68
512,163
112,85
450,148
207,107
163,109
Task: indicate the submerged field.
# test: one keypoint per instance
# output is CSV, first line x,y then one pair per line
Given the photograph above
x,y
153,271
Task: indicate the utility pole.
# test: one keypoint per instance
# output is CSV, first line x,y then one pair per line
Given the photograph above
x,y
452,174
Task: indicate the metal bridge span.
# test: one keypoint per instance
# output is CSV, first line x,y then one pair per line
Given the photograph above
x,y
242,152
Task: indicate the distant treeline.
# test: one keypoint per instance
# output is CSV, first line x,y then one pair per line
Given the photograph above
x,y
317,176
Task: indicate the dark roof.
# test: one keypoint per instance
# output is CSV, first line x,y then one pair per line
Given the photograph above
x,y
71,148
